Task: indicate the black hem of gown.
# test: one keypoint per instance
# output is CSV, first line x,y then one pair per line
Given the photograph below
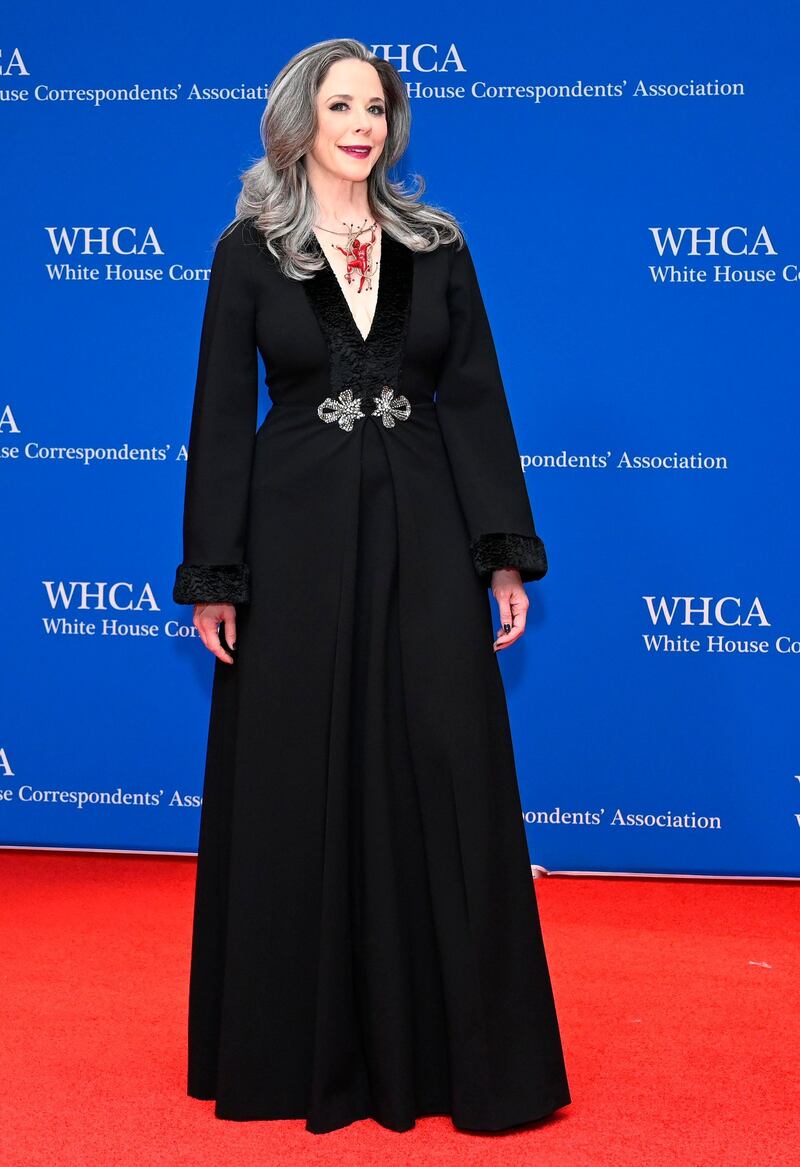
x,y
346,1121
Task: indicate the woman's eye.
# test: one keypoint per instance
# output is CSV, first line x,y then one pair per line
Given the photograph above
x,y
336,104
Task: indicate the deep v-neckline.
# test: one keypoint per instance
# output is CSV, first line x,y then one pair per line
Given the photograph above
x,y
332,279
362,364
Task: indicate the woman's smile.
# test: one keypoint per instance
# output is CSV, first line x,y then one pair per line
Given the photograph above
x,y
357,151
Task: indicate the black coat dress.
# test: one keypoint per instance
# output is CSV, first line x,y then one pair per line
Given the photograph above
x,y
366,934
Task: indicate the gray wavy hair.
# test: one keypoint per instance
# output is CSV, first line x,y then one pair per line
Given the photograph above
x,y
276,192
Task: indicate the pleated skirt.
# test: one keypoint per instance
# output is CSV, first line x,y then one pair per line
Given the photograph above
x,y
384,1049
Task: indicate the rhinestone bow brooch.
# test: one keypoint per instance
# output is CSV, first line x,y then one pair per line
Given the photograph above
x,y
347,409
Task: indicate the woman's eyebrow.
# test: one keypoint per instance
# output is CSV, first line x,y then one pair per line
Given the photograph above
x,y
349,97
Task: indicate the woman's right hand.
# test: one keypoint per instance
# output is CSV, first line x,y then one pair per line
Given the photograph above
x,y
207,618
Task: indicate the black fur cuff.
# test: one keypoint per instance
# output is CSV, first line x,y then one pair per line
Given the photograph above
x,y
216,584
524,552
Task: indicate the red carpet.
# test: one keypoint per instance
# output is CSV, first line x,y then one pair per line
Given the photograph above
x,y
679,1004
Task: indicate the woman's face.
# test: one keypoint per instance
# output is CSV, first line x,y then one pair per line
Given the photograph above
x,y
351,111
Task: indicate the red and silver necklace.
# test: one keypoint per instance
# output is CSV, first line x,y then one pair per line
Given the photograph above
x,y
358,254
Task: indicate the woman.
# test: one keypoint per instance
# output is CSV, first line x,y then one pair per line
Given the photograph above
x,y
366,937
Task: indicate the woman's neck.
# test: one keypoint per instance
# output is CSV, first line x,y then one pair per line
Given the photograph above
x,y
340,202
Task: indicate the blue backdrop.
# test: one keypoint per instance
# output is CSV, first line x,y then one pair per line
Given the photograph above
x,y
627,178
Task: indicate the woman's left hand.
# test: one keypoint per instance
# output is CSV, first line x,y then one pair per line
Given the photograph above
x,y
512,600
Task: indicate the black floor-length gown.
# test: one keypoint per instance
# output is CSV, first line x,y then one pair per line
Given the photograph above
x,y
366,934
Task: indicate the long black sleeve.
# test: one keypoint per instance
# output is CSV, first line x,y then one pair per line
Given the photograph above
x,y
479,437
222,435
